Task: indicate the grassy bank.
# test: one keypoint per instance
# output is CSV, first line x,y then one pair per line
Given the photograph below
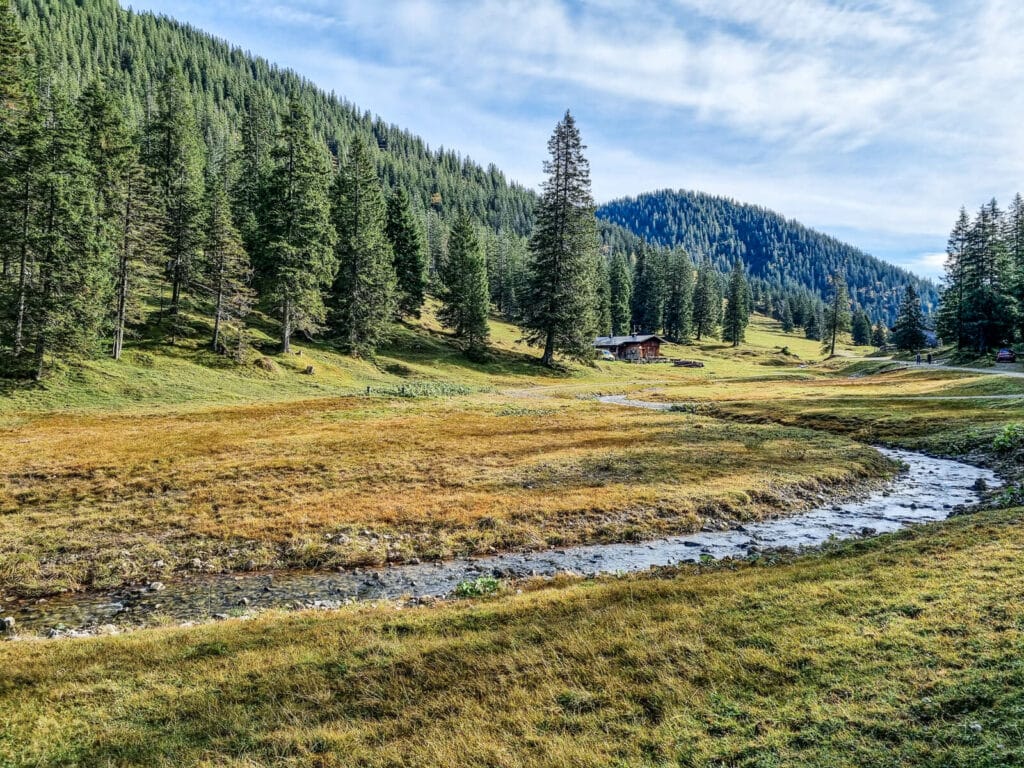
x,y
904,650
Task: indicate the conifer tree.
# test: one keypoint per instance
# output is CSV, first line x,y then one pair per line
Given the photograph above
x,y
815,323
299,239
465,297
648,291
227,270
989,308
67,296
908,333
363,298
837,316
860,329
558,310
737,306
621,286
410,253
1015,254
254,160
788,324
951,323
706,302
880,335
174,154
603,295
679,297
15,101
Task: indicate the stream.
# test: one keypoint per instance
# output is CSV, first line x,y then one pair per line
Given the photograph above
x,y
928,491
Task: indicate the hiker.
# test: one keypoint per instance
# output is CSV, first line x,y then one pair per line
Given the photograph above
x,y
929,358
918,358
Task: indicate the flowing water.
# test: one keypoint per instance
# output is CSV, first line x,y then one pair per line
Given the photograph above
x,y
927,491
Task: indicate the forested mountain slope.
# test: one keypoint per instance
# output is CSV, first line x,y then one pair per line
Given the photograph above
x,y
86,40
780,251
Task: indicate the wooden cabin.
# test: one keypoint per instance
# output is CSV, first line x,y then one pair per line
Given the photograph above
x,y
637,348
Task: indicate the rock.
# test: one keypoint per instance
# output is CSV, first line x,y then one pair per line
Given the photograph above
x,y
7,625
691,543
865,531
250,565
980,485
156,586
220,616
196,564
244,601
309,370
976,727
159,565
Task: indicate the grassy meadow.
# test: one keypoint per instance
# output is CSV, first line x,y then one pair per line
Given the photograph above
x,y
902,650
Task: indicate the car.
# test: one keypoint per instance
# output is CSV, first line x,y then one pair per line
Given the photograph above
x,y
1006,356
604,354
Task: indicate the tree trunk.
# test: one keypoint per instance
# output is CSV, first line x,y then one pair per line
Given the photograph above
x,y
218,309
549,349
122,279
19,326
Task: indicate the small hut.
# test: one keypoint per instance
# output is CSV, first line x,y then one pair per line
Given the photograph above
x,y
637,348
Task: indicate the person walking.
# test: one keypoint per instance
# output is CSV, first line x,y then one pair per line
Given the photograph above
x,y
918,361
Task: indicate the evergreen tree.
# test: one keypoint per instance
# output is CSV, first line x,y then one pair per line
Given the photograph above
x,y
989,307
464,299
788,324
15,101
737,306
861,328
558,310
174,154
364,297
648,291
815,323
951,323
621,285
837,316
679,297
298,236
1015,255
255,162
603,291
706,302
66,297
908,334
228,273
880,335
410,253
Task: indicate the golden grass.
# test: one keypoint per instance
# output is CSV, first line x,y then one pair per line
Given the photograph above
x,y
98,499
900,651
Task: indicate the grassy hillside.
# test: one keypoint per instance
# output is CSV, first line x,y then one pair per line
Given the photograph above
x,y
905,650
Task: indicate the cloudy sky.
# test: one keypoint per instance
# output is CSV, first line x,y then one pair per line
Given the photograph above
x,y
873,121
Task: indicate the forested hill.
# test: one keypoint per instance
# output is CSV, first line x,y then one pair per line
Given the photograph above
x,y
782,252
85,40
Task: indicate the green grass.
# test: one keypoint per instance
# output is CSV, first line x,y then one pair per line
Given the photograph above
x,y
905,650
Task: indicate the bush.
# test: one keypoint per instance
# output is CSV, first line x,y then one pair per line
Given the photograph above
x,y
485,585
1010,439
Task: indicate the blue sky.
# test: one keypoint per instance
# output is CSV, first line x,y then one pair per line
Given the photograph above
x,y
872,121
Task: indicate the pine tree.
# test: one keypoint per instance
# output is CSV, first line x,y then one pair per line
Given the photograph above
x,y
603,295
410,253
989,307
951,323
464,299
706,302
174,154
880,335
1015,254
226,268
679,297
648,291
908,334
621,284
255,162
67,296
15,100
558,310
363,299
299,239
815,323
788,324
860,329
837,316
737,306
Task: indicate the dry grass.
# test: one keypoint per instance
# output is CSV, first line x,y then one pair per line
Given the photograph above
x,y
900,651
96,500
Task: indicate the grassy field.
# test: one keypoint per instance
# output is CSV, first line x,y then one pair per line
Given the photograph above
x,y
903,650
906,650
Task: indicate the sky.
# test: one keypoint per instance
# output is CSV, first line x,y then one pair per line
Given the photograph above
x,y
871,121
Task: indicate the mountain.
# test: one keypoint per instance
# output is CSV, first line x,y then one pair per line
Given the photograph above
x,y
782,252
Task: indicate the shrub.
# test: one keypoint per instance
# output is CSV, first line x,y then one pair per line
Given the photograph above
x,y
485,585
1010,439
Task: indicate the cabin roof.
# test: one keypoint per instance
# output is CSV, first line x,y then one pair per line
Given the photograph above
x,y
618,341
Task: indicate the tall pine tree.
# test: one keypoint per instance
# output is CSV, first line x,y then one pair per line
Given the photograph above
x,y
298,236
410,253
737,306
679,297
621,285
706,302
227,271
558,310
465,297
837,315
363,298
908,333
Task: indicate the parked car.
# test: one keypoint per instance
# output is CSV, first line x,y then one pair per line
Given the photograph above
x,y
1006,356
604,354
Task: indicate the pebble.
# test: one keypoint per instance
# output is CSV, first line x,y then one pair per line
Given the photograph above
x,y
7,624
